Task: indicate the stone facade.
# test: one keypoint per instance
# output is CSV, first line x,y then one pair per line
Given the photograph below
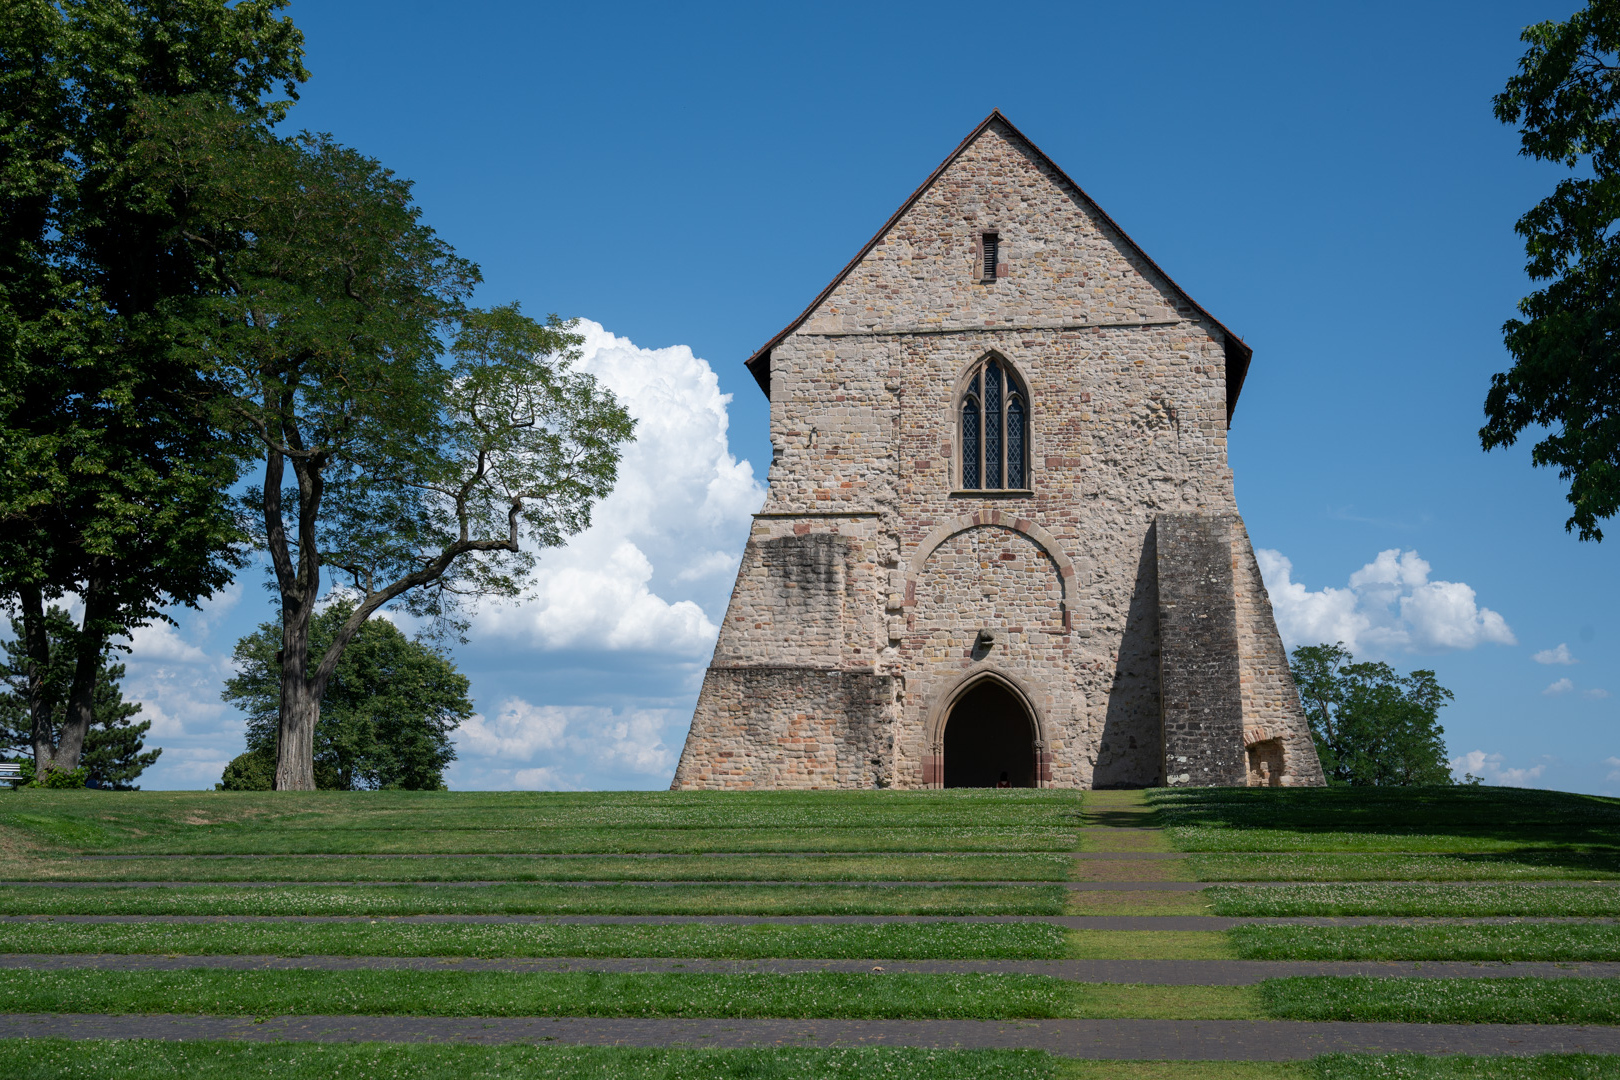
x,y
875,593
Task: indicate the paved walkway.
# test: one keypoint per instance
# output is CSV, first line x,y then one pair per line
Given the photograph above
x,y
1158,972
1077,886
1071,922
1180,1040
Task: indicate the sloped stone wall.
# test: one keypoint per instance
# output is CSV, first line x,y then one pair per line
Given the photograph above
x,y
1271,706
1200,687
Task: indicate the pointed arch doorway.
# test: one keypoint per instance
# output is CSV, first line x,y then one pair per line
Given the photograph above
x,y
990,739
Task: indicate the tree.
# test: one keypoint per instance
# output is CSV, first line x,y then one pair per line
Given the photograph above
x,y
1566,372
113,477
113,749
386,713
431,447
1370,725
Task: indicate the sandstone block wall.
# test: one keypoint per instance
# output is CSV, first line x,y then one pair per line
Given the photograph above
x,y
1200,684
1271,707
760,727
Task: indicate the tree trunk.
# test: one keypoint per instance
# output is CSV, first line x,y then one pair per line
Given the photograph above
x,y
300,704
41,702
295,739
88,645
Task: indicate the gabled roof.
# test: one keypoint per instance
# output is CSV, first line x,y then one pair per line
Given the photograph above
x,y
1238,354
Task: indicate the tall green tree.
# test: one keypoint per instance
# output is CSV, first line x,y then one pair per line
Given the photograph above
x,y
386,713
115,751
113,476
419,449
1565,378
1370,725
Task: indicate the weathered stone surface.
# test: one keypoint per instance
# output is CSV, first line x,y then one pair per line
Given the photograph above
x,y
867,560
1272,713
1200,684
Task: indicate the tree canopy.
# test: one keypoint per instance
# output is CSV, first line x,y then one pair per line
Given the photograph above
x,y
113,476
1370,725
188,294
431,447
115,751
1565,376
386,714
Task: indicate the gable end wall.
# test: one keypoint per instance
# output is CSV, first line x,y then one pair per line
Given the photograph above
x,y
855,569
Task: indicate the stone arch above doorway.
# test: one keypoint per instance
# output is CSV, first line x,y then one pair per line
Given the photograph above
x,y
945,703
1067,575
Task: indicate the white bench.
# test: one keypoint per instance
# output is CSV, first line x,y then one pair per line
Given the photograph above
x,y
10,770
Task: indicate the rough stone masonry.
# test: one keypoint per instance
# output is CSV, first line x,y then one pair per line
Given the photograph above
x,y
1000,329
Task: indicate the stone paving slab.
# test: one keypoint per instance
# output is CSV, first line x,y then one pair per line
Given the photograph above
x,y
645,883
1076,886
583,855
1157,972
1072,922
1150,1040
1079,886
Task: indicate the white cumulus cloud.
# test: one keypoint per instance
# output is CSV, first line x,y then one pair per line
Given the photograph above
x,y
560,746
1597,693
518,732
177,681
1491,768
677,518
1389,605
1559,655
1562,686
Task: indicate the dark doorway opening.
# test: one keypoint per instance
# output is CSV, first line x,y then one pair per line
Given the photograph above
x,y
989,740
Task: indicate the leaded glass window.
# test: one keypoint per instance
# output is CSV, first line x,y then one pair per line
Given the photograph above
x,y
970,443
995,430
992,425
1015,442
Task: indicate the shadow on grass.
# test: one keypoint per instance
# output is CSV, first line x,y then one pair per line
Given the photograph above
x,y
1537,828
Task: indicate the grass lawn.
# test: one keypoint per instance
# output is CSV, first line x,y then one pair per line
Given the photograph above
x,y
41,830
482,993
1522,941
39,1059
866,867
552,899
1444,1001
1432,900
1460,1067
893,941
1367,841
1393,866
829,995
1479,840
1490,833
1464,810
74,822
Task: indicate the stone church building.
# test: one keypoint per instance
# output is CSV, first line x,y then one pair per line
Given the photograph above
x,y
1001,545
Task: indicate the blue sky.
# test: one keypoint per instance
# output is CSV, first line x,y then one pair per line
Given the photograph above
x,y
1327,179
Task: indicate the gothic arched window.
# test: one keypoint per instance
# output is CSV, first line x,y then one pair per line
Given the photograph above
x,y
995,429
